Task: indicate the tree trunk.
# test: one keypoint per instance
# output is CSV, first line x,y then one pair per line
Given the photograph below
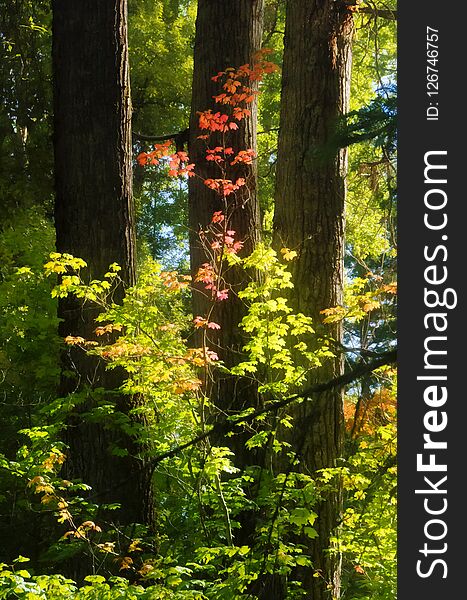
x,y
228,34
309,218
94,220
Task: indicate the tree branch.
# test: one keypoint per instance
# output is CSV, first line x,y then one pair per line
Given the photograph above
x,y
355,6
180,138
390,15
228,426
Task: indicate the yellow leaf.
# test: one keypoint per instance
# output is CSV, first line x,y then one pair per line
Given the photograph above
x,y
72,340
91,525
134,546
187,385
146,569
125,563
370,305
390,288
107,547
288,254
36,481
68,534
47,499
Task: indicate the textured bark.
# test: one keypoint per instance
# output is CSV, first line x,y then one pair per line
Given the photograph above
x,y
309,218
94,221
228,34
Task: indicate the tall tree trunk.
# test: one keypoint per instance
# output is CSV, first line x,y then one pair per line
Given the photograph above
x,y
309,218
94,220
228,34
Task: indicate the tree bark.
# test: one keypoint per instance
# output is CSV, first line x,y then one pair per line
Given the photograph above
x,y
228,34
94,220
309,218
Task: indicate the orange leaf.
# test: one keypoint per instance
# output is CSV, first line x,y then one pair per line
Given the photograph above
x,y
125,563
359,569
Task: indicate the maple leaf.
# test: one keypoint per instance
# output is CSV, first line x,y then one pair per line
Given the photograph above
x,y
288,254
359,569
163,148
183,156
241,113
212,183
212,356
199,322
188,385
370,305
212,154
237,246
74,340
222,294
146,569
142,158
390,288
68,534
134,546
334,314
245,157
205,274
48,499
220,98
124,563
217,217
231,85
107,329
92,526
107,547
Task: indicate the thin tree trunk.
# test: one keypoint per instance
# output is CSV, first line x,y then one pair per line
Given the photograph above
x,y
309,218
94,221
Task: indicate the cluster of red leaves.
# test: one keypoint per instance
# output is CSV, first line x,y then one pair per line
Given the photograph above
x,y
235,90
220,241
225,241
244,156
237,93
153,158
179,163
224,187
219,154
214,153
218,217
207,275
215,122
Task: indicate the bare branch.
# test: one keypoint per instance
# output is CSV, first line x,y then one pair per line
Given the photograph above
x,y
179,139
390,15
